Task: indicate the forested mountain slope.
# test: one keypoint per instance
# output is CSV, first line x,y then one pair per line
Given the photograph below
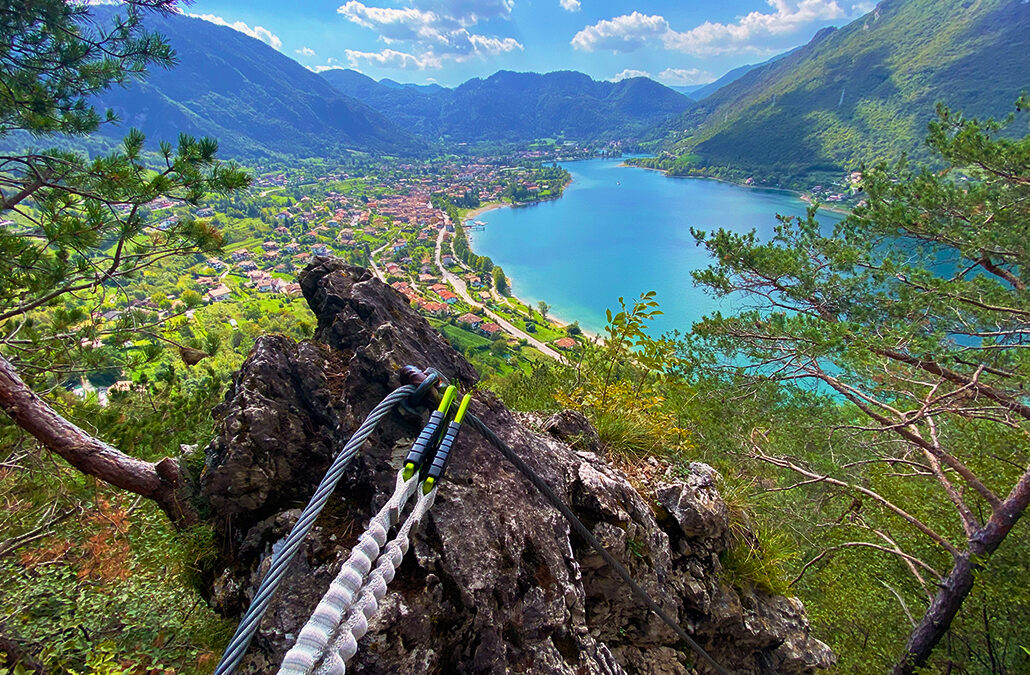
x,y
732,76
250,97
864,92
510,106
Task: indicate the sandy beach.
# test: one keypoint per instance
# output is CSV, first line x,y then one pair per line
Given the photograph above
x,y
474,213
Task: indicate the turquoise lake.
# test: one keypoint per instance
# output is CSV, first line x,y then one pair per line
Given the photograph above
x,y
621,231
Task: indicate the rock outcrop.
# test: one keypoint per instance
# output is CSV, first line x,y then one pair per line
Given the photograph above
x,y
494,582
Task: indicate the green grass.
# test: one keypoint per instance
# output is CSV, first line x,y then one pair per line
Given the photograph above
x,y
475,347
462,339
758,555
246,243
543,330
759,559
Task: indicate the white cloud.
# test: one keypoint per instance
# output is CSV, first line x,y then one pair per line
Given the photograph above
x,y
322,69
632,31
721,38
571,5
630,73
258,32
684,76
467,12
305,51
863,7
394,24
491,45
436,30
391,58
621,34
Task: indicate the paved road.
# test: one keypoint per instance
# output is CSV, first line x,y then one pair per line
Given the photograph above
x,y
459,286
372,261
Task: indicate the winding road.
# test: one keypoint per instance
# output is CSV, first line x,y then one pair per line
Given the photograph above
x,y
459,286
372,260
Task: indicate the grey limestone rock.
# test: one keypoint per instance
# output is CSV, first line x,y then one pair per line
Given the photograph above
x,y
494,581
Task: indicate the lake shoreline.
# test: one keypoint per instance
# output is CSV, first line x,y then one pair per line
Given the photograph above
x,y
620,233
553,319
803,196
480,210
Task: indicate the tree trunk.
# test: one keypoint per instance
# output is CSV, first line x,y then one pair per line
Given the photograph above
x,y
15,654
959,582
161,481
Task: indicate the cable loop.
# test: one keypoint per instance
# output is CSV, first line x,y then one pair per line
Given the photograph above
x,y
415,400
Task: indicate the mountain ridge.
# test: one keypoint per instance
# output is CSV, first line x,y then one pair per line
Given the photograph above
x,y
860,94
735,74
511,106
253,99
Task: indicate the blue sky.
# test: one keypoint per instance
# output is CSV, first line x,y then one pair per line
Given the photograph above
x,y
450,41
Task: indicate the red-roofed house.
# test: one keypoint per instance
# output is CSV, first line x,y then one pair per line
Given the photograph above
x,y
218,294
434,307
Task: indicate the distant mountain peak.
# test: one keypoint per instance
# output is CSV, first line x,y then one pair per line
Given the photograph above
x,y
510,106
863,93
253,99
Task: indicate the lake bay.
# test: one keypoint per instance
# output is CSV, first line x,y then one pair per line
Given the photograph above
x,y
621,231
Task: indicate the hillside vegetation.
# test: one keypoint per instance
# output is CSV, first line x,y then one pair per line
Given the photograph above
x,y
865,405
256,101
863,93
734,75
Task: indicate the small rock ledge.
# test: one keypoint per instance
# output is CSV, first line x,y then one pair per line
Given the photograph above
x,y
494,582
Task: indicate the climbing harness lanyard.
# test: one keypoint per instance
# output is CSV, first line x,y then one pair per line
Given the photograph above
x,y
330,637
337,624
249,623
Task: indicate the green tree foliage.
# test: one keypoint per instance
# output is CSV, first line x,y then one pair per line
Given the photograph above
x,y
622,385
912,314
862,93
78,226
498,346
79,61
86,568
500,281
79,229
468,200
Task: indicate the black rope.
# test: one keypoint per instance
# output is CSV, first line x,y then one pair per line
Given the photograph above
x,y
580,528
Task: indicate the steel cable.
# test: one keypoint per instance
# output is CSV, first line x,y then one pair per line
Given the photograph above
x,y
248,625
237,647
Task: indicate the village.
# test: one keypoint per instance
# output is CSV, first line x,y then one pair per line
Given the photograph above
x,y
402,221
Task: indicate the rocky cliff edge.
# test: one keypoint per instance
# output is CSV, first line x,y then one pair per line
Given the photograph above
x,y
494,581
